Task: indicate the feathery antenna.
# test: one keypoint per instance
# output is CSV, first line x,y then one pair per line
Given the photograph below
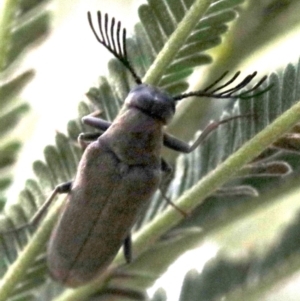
x,y
114,40
212,90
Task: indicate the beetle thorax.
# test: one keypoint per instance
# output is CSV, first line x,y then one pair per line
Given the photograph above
x,y
135,137
152,101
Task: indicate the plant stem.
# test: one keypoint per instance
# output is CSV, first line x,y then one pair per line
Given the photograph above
x,y
7,9
175,42
17,270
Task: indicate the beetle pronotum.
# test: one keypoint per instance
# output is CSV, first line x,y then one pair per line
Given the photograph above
x,y
119,171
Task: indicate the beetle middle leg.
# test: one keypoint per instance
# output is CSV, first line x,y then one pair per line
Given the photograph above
x,y
181,146
167,170
84,139
127,248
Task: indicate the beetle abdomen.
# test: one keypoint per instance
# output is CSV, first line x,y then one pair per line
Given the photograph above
x,y
104,203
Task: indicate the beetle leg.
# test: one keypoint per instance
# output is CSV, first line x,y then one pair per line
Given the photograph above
x,y
124,293
84,139
97,123
183,147
127,248
173,205
167,169
61,188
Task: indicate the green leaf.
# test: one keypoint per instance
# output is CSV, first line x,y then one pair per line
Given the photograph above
x,y
22,23
259,24
251,277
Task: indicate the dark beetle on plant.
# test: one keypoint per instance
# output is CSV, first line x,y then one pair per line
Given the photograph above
x,y
119,171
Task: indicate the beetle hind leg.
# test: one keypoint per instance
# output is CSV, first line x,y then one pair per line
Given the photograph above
x,y
59,189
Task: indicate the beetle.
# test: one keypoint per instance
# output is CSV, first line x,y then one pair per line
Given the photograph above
x,y
119,171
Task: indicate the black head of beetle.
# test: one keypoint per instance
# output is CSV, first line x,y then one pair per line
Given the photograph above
x,y
152,101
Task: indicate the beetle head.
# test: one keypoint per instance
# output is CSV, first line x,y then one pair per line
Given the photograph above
x,y
152,101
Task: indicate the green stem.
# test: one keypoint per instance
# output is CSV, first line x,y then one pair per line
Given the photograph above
x,y
175,42
7,9
17,270
219,176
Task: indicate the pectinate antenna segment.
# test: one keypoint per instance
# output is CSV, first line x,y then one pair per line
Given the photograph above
x,y
216,92
113,38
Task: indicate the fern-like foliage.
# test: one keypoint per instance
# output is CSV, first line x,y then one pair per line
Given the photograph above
x,y
22,24
226,277
227,192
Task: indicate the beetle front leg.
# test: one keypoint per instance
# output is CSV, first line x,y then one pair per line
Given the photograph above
x,y
183,147
97,123
59,189
84,139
